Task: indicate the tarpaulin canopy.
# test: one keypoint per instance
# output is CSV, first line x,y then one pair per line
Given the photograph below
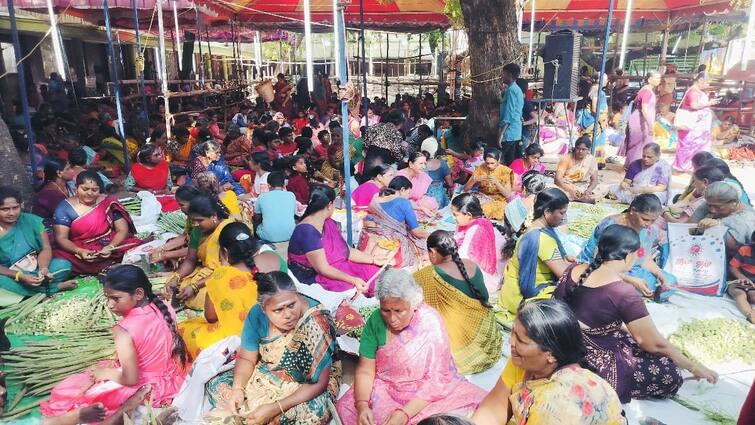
x,y
391,15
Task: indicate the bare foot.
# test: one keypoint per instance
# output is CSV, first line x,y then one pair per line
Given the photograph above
x,y
93,413
67,285
168,416
129,406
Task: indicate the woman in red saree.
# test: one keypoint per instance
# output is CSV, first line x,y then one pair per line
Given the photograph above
x,y
151,173
92,231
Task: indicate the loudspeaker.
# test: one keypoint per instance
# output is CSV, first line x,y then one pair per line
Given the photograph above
x,y
561,62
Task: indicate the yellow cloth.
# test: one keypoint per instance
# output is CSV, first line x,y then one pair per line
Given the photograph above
x,y
239,211
233,293
511,295
208,254
512,374
472,329
493,202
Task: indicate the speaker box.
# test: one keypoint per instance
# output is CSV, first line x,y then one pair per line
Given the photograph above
x,y
561,62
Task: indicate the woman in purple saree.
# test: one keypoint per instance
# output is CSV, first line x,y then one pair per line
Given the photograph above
x,y
642,120
317,252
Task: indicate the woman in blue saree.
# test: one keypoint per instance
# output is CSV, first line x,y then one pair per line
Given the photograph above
x,y
26,263
209,158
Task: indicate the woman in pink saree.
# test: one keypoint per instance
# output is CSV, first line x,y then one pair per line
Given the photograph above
x,y
405,372
426,206
92,231
317,252
694,120
642,120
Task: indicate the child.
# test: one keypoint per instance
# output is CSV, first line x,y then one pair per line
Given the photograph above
x,y
277,209
742,289
147,346
475,159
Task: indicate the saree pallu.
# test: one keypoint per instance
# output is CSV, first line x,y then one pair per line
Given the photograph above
x,y
472,328
438,191
658,173
208,254
477,242
420,185
632,372
155,178
94,230
416,364
696,137
337,252
233,293
412,250
287,362
493,202
114,147
665,133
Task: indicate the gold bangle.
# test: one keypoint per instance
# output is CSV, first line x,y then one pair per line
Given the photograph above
x,y
280,407
18,275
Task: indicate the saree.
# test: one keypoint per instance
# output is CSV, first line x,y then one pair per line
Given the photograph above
x,y
24,240
665,133
658,173
154,178
493,202
639,132
233,293
47,201
286,363
383,227
208,254
477,241
420,184
114,147
337,253
577,173
416,363
519,169
472,329
94,230
221,171
570,395
695,137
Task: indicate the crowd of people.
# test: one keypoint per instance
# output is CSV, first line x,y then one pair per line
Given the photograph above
x,y
273,176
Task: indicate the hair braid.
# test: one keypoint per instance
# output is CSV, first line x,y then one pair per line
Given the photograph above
x,y
179,346
594,265
463,270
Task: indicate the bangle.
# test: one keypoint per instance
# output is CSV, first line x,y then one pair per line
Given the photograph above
x,y
18,275
401,409
280,407
195,288
356,403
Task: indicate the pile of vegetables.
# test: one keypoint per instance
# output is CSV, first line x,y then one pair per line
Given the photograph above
x,y
172,222
365,312
589,217
61,316
715,341
133,205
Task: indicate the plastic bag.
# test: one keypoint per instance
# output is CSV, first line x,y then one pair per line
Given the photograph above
x,y
697,261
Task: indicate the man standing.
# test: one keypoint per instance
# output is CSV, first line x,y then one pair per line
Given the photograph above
x,y
510,122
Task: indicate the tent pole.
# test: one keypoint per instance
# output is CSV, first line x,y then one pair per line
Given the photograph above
x,y
419,66
22,89
645,54
611,5
532,34
345,128
686,43
625,34
308,46
363,67
749,34
163,66
385,68
336,38
198,40
116,85
56,41
177,40
703,36
140,59
664,44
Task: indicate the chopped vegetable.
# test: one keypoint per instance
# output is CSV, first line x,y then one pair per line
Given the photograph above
x,y
172,222
714,341
583,218
133,205
62,316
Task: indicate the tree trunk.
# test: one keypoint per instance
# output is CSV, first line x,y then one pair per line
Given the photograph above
x,y
13,173
492,33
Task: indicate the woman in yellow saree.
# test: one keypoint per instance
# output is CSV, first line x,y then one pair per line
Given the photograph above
x,y
209,217
495,183
231,289
462,301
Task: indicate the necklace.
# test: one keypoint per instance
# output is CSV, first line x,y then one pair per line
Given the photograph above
x,y
61,189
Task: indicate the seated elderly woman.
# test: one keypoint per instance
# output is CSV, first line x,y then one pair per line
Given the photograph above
x,y
285,369
151,172
209,158
723,207
645,274
683,209
456,288
406,371
27,266
317,252
577,173
543,381
92,230
649,174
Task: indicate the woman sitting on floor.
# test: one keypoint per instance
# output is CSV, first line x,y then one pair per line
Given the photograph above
x,y
456,288
151,173
209,158
530,162
298,178
539,257
393,220
187,284
495,183
238,207
487,244
231,289
378,179
277,209
649,174
406,371
543,381
426,206
176,248
92,230
744,198
317,252
54,189
683,209
723,207
577,173
149,365
285,369
27,266
645,274
639,363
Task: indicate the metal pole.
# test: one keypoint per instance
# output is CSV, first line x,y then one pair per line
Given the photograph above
x,y
336,37
116,84
664,44
345,128
611,5
625,35
686,43
198,40
385,67
140,59
56,41
308,47
163,65
532,33
645,55
419,67
22,89
177,40
363,66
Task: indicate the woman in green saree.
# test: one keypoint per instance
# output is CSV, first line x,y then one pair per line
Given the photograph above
x,y
26,263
